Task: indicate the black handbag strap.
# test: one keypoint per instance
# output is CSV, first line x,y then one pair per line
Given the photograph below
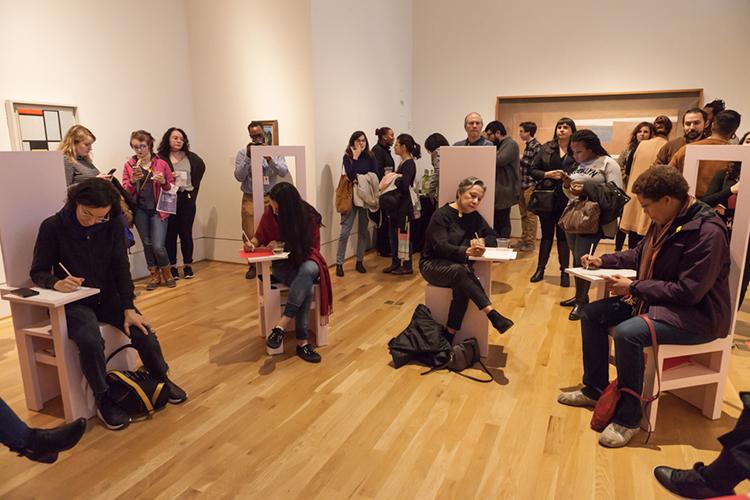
x,y
444,366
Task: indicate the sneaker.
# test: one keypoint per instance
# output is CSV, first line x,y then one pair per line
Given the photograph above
x,y
174,272
43,445
187,271
687,483
575,398
275,338
251,273
339,270
176,394
361,268
307,352
111,415
616,435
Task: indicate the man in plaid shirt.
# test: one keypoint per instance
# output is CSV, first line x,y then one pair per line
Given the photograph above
x,y
528,219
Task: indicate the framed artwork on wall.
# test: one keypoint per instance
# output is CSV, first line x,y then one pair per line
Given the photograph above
x,y
271,131
38,126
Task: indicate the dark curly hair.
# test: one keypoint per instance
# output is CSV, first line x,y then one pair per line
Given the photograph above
x,y
96,193
660,181
163,149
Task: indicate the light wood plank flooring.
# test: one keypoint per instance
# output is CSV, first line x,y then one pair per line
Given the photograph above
x,y
353,427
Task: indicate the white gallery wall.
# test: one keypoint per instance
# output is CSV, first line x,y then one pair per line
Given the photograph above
x,y
362,73
464,57
124,64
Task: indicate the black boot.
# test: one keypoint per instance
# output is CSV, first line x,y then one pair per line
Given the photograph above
x,y
339,270
545,247
581,299
44,444
538,275
564,280
569,302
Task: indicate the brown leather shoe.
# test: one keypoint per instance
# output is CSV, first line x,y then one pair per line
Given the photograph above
x,y
167,278
155,278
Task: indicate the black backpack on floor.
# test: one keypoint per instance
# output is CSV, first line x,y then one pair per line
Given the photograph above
x,y
137,393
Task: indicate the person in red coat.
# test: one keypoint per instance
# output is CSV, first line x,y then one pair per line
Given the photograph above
x,y
290,222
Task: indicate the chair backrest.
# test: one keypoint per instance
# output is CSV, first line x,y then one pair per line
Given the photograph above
x,y
459,162
32,187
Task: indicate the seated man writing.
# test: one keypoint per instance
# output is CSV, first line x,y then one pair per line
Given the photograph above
x,y
84,245
681,285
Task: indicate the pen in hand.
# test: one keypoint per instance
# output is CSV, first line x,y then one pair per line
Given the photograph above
x,y
591,252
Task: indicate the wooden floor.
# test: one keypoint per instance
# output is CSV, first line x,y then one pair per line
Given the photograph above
x,y
354,427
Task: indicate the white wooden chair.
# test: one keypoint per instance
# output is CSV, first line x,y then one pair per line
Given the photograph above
x,y
49,361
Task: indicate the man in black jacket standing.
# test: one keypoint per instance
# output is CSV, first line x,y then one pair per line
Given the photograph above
x,y
84,244
507,176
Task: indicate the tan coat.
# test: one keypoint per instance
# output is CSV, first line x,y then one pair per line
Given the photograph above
x,y
633,218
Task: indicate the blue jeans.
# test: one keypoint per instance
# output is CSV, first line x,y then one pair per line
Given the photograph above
x,y
630,337
13,432
346,228
153,232
393,230
580,245
300,282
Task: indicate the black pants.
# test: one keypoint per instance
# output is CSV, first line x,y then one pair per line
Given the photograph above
x,y
502,222
181,224
733,464
83,329
620,240
549,224
461,279
630,337
633,239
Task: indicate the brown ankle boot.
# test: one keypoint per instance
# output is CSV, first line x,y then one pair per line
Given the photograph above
x,y
166,277
155,279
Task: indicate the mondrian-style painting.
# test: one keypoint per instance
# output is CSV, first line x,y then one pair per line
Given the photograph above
x,y
42,127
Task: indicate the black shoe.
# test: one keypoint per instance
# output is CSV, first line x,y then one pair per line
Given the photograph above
x,y
44,444
174,272
251,273
687,483
389,269
307,352
568,303
402,270
339,270
187,271
576,313
361,268
564,280
275,338
537,276
111,415
176,394
500,322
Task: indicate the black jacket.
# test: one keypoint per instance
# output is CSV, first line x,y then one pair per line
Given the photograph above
x,y
98,254
547,159
197,169
507,174
383,159
448,235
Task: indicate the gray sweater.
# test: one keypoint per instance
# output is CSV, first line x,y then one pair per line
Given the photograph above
x,y
79,170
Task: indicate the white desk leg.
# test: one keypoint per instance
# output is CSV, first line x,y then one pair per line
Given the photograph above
x,y
25,344
68,368
600,289
270,308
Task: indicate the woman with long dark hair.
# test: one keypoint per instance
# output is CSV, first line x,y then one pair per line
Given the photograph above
x,y
290,222
398,220
551,164
642,132
188,169
358,159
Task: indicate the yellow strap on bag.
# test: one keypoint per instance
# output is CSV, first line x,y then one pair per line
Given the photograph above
x,y
138,390
158,390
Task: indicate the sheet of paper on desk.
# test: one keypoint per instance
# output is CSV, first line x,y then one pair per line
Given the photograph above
x,y
628,273
257,253
499,253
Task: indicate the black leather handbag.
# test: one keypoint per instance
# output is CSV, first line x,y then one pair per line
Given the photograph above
x,y
542,201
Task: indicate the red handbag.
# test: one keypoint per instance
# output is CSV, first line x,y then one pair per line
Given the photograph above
x,y
606,405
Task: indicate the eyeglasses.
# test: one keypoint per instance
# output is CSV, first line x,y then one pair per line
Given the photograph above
x,y
98,220
138,147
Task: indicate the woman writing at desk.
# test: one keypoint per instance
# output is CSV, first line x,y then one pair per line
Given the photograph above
x,y
455,233
293,223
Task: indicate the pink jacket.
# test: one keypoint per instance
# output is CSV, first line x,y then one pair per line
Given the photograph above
x,y
158,166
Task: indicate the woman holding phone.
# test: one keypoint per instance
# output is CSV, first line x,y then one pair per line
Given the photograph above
x,y
291,223
145,176
455,233
551,164
76,149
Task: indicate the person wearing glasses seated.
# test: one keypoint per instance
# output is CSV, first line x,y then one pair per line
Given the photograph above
x,y
84,245
145,176
39,445
455,233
